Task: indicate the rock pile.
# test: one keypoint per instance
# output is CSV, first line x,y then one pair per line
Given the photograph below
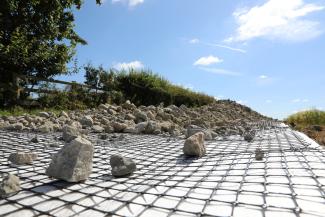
x,y
224,117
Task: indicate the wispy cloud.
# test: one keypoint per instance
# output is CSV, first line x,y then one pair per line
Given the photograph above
x,y
277,19
298,100
219,71
128,65
197,41
268,101
243,102
130,3
264,80
208,60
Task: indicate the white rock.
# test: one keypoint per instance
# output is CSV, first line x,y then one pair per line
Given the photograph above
x,y
194,145
9,185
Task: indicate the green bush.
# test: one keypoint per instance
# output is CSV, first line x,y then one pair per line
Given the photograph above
x,y
306,118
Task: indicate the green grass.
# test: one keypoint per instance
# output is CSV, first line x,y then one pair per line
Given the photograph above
x,y
17,111
307,118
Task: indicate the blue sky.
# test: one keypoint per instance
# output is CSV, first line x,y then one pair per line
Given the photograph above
x,y
267,54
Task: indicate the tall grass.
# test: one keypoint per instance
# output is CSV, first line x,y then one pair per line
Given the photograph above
x,y
306,118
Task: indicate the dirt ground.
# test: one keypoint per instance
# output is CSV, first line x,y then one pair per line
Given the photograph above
x,y
316,132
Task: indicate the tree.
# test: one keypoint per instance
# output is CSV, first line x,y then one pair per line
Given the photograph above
x,y
37,38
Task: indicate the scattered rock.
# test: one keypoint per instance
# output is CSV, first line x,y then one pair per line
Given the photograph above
x,y
259,154
9,185
98,129
34,140
87,121
44,114
119,127
21,158
46,128
74,162
103,136
64,114
140,116
16,126
122,166
194,145
249,136
70,133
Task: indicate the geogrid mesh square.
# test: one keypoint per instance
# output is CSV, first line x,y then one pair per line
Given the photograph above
x,y
227,181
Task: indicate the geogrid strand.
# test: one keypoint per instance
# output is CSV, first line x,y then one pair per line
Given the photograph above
x,y
227,181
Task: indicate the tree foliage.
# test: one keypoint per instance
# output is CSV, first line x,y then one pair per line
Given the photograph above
x,y
37,38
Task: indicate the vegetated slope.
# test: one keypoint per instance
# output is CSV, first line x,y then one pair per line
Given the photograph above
x,y
140,87
223,117
311,122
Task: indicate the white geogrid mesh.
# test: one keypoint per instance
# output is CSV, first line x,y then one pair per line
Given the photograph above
x,y
228,181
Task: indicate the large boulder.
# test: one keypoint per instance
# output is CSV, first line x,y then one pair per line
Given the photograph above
x,y
9,185
21,158
74,162
194,145
70,133
122,166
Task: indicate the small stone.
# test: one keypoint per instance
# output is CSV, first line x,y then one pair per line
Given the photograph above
x,y
74,162
141,127
21,158
16,126
103,106
119,127
44,114
87,121
259,154
249,136
64,114
103,136
46,128
140,116
122,166
70,133
194,145
35,140
9,185
98,129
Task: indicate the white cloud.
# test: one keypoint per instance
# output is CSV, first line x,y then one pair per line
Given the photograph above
x,y
206,61
264,80
197,41
277,19
298,100
263,77
194,41
130,3
220,71
130,65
